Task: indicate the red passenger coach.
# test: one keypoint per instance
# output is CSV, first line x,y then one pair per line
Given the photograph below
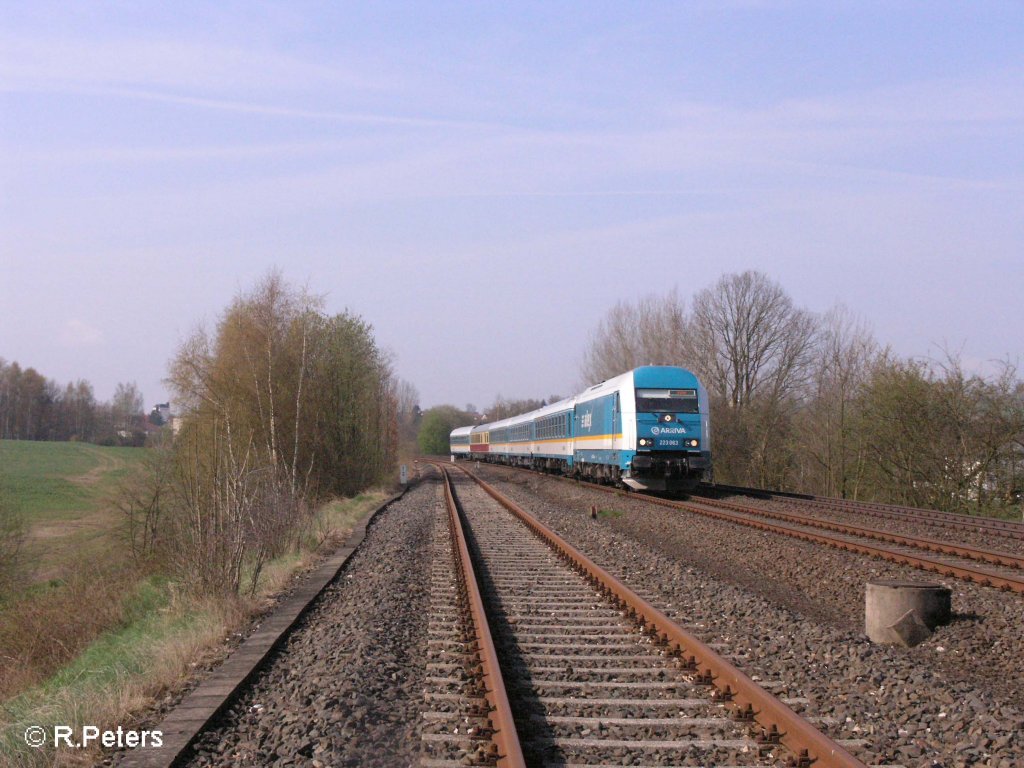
x,y
479,440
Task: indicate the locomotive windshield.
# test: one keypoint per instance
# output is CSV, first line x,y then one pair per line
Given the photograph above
x,y
666,401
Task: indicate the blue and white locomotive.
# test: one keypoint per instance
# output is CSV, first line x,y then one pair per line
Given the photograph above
x,y
647,429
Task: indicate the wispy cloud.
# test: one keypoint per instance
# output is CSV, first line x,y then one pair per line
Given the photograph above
x,y
210,76
273,110
994,97
76,334
45,62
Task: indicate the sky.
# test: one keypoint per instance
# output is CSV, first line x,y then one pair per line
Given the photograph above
x,y
481,181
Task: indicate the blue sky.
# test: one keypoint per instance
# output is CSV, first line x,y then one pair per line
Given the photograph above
x,y
481,180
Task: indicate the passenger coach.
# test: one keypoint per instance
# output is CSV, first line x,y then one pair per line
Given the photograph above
x,y
647,428
459,441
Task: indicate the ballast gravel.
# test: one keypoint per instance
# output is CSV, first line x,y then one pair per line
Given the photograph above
x,y
791,612
346,686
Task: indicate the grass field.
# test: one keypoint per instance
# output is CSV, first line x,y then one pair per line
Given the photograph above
x,y
64,493
60,481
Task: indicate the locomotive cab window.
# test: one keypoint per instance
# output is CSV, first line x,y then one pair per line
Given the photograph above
x,y
666,401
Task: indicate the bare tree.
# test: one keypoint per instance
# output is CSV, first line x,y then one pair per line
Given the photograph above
x,y
812,403
830,444
27,403
650,332
408,414
407,398
127,406
33,407
752,348
749,339
247,459
143,497
263,353
504,409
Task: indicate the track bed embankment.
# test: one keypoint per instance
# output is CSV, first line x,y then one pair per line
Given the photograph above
x,y
346,686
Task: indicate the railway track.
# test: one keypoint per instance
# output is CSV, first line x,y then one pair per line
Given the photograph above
x,y
594,674
469,719
1007,528
1009,560
389,665
942,557
1000,570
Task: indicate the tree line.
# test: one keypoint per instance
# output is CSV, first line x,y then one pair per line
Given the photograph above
x,y
435,427
33,407
282,406
814,403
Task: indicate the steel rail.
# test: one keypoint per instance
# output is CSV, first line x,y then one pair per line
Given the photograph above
x,y
504,735
937,517
968,573
992,557
778,722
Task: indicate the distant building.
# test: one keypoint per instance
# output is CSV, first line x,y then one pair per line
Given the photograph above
x,y
160,415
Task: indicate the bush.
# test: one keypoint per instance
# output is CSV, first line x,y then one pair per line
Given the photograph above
x,y
12,541
436,428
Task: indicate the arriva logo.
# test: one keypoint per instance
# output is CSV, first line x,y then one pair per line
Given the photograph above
x,y
668,431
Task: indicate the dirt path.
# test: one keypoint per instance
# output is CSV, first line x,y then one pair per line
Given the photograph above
x,y
107,464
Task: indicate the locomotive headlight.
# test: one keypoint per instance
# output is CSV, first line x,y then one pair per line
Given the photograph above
x,y
693,443
644,441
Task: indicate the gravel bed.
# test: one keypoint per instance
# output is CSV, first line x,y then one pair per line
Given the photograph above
x,y
969,537
346,687
791,611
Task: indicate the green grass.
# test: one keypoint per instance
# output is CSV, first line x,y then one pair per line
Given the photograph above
x,y
45,481
609,513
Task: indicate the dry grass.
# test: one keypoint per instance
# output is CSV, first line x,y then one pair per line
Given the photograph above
x,y
122,673
49,624
102,647
335,520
